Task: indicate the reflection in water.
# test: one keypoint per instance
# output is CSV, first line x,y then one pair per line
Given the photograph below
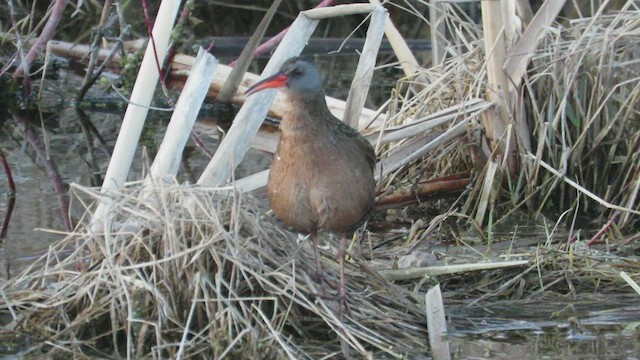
x,y
49,165
47,146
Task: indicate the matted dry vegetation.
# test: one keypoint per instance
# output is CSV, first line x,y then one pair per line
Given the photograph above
x,y
580,100
194,272
583,94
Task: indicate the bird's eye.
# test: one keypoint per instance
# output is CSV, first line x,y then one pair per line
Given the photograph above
x,y
297,72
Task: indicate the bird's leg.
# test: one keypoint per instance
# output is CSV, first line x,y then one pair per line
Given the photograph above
x,y
314,238
342,291
319,276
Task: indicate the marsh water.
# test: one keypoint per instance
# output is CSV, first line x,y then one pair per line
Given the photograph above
x,y
58,137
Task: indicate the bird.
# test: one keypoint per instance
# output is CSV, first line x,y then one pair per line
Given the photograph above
x,y
322,173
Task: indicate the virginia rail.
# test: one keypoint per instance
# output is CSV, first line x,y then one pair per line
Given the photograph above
x,y
322,172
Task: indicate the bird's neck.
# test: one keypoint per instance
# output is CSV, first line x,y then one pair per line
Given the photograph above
x,y
306,112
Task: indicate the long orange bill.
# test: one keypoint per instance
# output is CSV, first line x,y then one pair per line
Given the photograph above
x,y
274,81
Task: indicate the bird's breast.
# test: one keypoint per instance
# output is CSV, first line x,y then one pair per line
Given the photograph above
x,y
320,181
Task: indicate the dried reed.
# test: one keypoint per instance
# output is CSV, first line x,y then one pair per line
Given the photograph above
x,y
194,273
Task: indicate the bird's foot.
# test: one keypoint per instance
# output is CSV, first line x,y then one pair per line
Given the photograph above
x,y
325,284
341,297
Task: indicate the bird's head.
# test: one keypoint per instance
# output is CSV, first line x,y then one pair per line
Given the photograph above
x,y
299,76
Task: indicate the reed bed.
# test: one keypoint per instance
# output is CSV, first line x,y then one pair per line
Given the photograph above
x,y
579,100
583,99
195,272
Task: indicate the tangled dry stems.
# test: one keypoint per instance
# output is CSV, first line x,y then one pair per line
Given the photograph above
x,y
584,95
580,99
194,272
191,272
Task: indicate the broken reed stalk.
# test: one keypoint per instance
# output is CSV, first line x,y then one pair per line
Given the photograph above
x,y
364,72
496,121
418,273
141,96
169,155
437,324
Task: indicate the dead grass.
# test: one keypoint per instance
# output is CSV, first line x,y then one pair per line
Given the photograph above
x,y
194,273
583,99
580,98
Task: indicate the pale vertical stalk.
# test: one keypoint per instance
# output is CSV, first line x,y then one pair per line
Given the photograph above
x,y
493,28
508,8
167,160
408,62
364,72
495,121
437,324
141,96
438,43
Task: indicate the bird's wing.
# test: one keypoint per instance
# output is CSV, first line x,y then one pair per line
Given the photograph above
x,y
363,145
